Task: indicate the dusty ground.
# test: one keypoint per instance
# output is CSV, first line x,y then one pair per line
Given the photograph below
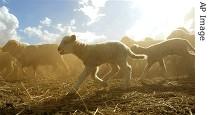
x,y
154,96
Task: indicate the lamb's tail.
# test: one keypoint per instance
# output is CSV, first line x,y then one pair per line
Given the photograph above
x,y
136,56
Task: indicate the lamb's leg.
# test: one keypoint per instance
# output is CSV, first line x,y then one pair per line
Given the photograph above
x,y
94,75
64,65
10,69
23,71
163,66
114,70
125,68
82,77
145,71
34,72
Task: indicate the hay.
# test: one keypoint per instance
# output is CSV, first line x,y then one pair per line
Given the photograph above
x,y
49,96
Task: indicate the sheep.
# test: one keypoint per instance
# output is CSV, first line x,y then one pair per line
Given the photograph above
x,y
93,55
183,33
7,64
34,55
178,63
157,52
180,33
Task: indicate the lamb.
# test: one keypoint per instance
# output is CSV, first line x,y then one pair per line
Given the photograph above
x,y
157,52
93,55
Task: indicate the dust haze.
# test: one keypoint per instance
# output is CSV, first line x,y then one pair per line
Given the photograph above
x,y
37,79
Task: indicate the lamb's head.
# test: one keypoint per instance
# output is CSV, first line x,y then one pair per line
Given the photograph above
x,y
12,46
67,45
137,49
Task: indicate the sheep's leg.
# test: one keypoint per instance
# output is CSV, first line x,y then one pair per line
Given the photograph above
x,y
163,66
10,69
65,66
96,78
145,71
125,68
34,72
62,66
82,77
23,70
114,70
94,75
164,69
20,70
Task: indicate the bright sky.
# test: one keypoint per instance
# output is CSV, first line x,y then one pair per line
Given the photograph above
x,y
47,21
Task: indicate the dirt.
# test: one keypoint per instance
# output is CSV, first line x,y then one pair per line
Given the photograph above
x,y
152,96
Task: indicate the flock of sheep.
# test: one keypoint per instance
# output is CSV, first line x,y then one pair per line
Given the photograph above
x,y
15,57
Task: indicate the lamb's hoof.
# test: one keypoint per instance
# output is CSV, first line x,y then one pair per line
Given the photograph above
x,y
104,84
71,93
146,82
139,79
70,96
124,88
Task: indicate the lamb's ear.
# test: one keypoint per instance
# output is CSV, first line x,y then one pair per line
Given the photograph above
x,y
73,37
135,46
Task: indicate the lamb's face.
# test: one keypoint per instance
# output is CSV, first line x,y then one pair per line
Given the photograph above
x,y
66,45
11,46
137,49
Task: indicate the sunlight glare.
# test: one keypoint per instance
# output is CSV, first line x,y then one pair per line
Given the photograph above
x,y
159,17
